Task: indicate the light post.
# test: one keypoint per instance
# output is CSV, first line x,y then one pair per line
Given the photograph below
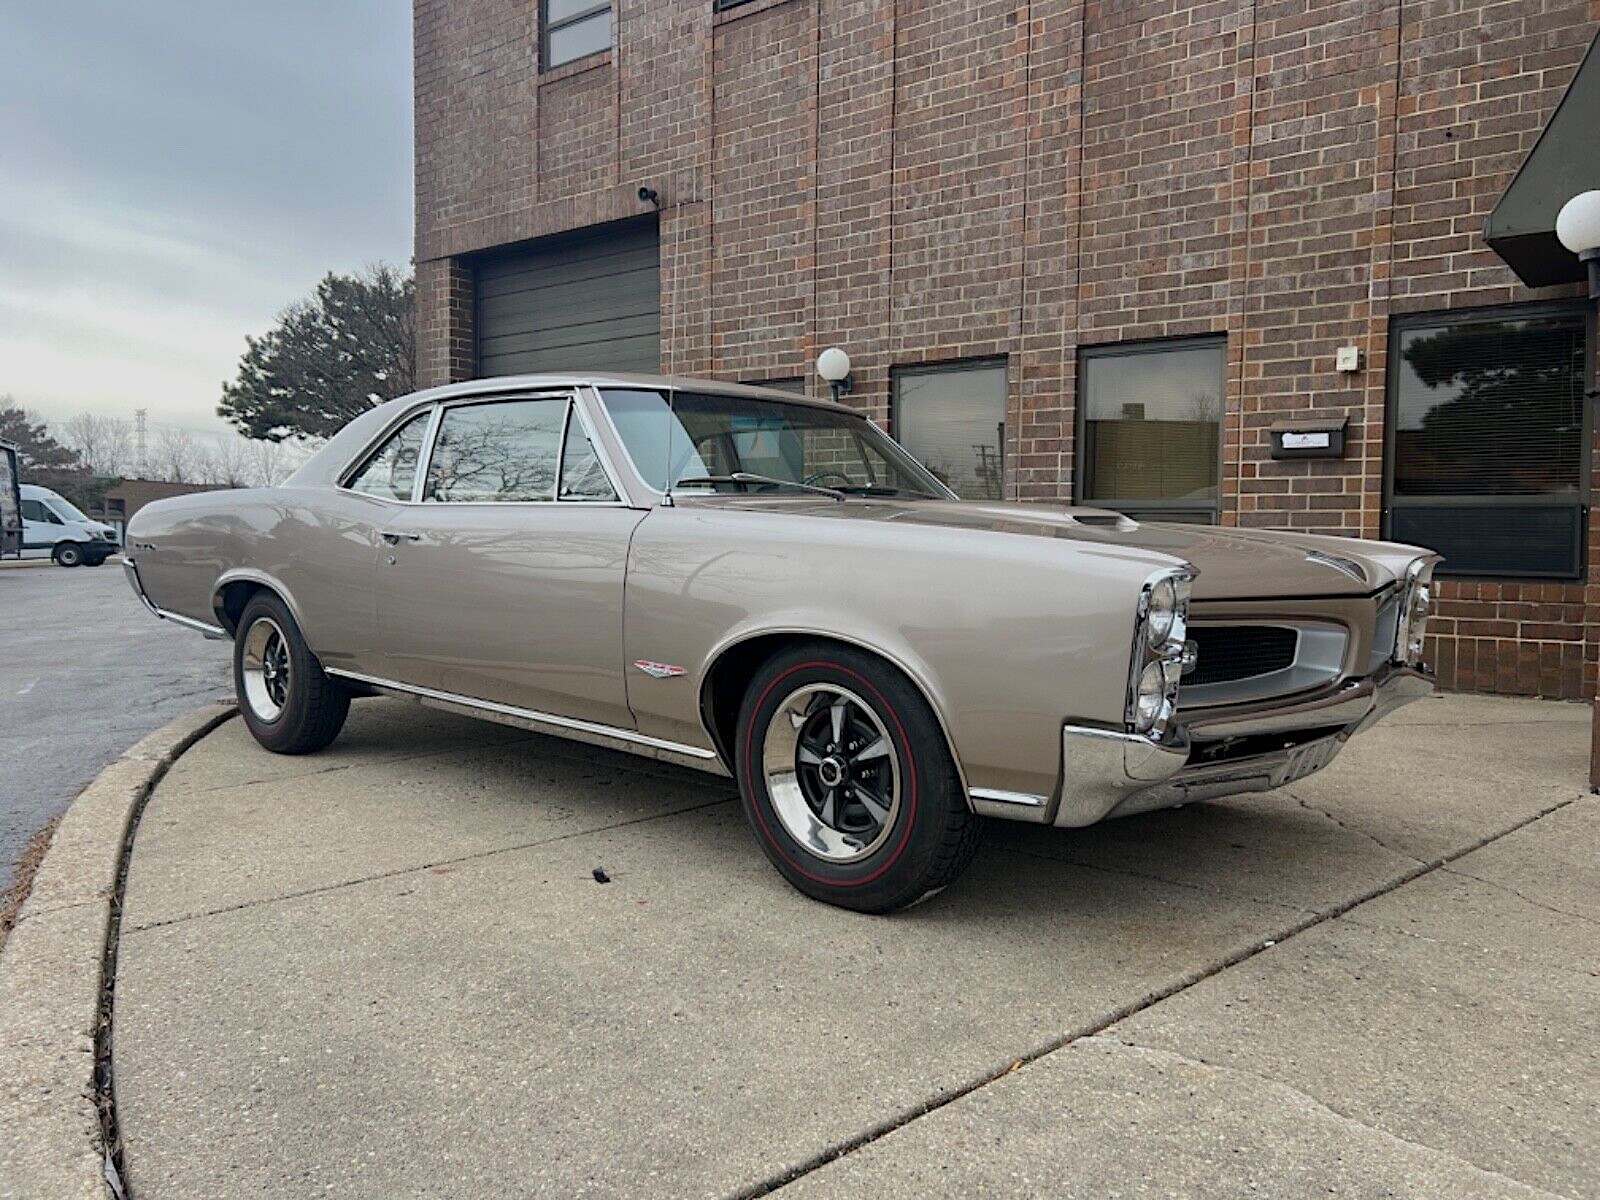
x,y
1578,229
833,364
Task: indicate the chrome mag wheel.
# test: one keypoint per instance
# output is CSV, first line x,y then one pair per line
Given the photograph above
x,y
266,669
831,772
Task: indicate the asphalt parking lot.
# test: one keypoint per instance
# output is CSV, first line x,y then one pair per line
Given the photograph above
x,y
389,970
85,671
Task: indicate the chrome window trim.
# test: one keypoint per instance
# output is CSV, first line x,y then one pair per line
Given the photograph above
x,y
575,409
611,735
430,438
659,497
341,478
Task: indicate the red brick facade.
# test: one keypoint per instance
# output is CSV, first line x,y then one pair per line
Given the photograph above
x,y
927,180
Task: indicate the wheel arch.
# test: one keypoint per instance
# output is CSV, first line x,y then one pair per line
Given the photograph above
x,y
732,665
234,590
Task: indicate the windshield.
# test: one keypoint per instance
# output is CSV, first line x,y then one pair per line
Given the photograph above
x,y
715,437
65,509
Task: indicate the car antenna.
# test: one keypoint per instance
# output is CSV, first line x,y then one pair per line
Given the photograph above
x,y
672,424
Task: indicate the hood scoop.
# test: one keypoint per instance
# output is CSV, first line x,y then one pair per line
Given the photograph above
x,y
1105,520
1344,566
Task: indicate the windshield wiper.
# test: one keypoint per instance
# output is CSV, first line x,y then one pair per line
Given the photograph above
x,y
747,477
878,489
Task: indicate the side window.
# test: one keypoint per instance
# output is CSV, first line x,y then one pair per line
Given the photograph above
x,y
503,452
582,477
392,468
32,510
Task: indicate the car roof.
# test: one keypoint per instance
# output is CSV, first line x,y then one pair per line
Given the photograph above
x,y
500,384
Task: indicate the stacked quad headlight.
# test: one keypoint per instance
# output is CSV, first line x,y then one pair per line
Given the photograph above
x,y
1418,604
1158,652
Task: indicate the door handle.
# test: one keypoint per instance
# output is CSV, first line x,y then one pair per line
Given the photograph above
x,y
394,539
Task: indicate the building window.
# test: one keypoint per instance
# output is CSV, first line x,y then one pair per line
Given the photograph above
x,y
1150,428
1489,439
952,418
796,387
575,29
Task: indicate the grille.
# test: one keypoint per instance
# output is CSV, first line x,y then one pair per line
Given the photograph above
x,y
1230,652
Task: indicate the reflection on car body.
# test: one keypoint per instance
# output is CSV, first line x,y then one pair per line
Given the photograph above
x,y
768,587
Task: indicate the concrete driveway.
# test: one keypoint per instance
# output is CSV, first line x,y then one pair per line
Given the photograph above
x,y
85,671
388,970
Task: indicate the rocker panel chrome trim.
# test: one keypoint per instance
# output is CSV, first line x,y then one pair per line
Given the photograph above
x,y
1010,806
608,736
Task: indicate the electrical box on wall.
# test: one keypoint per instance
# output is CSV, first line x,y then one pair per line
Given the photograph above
x,y
1310,437
1347,359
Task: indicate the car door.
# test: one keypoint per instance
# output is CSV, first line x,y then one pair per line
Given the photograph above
x,y
504,584
333,549
41,529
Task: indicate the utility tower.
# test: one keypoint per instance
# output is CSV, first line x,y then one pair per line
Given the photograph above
x,y
138,433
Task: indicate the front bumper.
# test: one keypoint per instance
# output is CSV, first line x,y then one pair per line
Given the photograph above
x,y
1107,773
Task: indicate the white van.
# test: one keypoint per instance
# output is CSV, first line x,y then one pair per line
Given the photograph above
x,y
52,527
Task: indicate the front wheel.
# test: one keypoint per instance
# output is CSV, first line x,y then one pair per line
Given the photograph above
x,y
848,782
68,554
288,703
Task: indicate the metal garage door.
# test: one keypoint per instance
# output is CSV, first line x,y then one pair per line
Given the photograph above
x,y
586,301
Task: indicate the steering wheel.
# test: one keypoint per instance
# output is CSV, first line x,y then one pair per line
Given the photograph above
x,y
815,479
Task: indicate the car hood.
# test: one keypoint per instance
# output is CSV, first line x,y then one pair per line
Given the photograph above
x,y
1233,563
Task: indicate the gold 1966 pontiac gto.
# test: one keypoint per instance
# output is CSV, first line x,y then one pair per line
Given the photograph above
x,y
768,587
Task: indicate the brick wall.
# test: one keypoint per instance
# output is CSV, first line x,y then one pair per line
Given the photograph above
x,y
925,180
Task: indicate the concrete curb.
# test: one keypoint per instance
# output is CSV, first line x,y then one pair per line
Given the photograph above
x,y
51,977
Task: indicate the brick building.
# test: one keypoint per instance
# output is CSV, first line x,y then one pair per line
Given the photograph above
x,y
1091,251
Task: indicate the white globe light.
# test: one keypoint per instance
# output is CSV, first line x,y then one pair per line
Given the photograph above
x,y
1578,222
833,364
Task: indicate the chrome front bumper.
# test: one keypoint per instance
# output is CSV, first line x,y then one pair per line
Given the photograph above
x,y
1106,773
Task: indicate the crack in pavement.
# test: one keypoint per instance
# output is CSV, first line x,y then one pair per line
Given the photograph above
x,y
1122,1012
427,866
1245,1073
1187,884
1505,887
1355,829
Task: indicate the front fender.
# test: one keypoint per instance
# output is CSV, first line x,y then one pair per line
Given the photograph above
x,y
1007,636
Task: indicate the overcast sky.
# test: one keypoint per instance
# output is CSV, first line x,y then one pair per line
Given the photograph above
x,y
174,172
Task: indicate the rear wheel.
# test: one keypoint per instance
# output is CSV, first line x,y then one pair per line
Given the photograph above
x,y
68,554
848,782
288,703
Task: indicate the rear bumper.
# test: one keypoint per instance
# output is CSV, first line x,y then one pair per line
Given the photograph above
x,y
1106,773
131,573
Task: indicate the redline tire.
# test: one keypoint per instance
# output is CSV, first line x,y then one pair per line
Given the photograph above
x,y
927,837
312,708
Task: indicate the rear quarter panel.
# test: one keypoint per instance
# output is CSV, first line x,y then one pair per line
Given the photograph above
x,y
314,545
1007,635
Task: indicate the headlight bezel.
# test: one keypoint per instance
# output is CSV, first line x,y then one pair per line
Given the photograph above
x,y
1158,643
1411,629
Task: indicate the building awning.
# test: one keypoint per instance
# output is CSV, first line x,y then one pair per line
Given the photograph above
x,y
1564,162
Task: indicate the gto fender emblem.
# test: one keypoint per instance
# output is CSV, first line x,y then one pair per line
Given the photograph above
x,y
658,670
